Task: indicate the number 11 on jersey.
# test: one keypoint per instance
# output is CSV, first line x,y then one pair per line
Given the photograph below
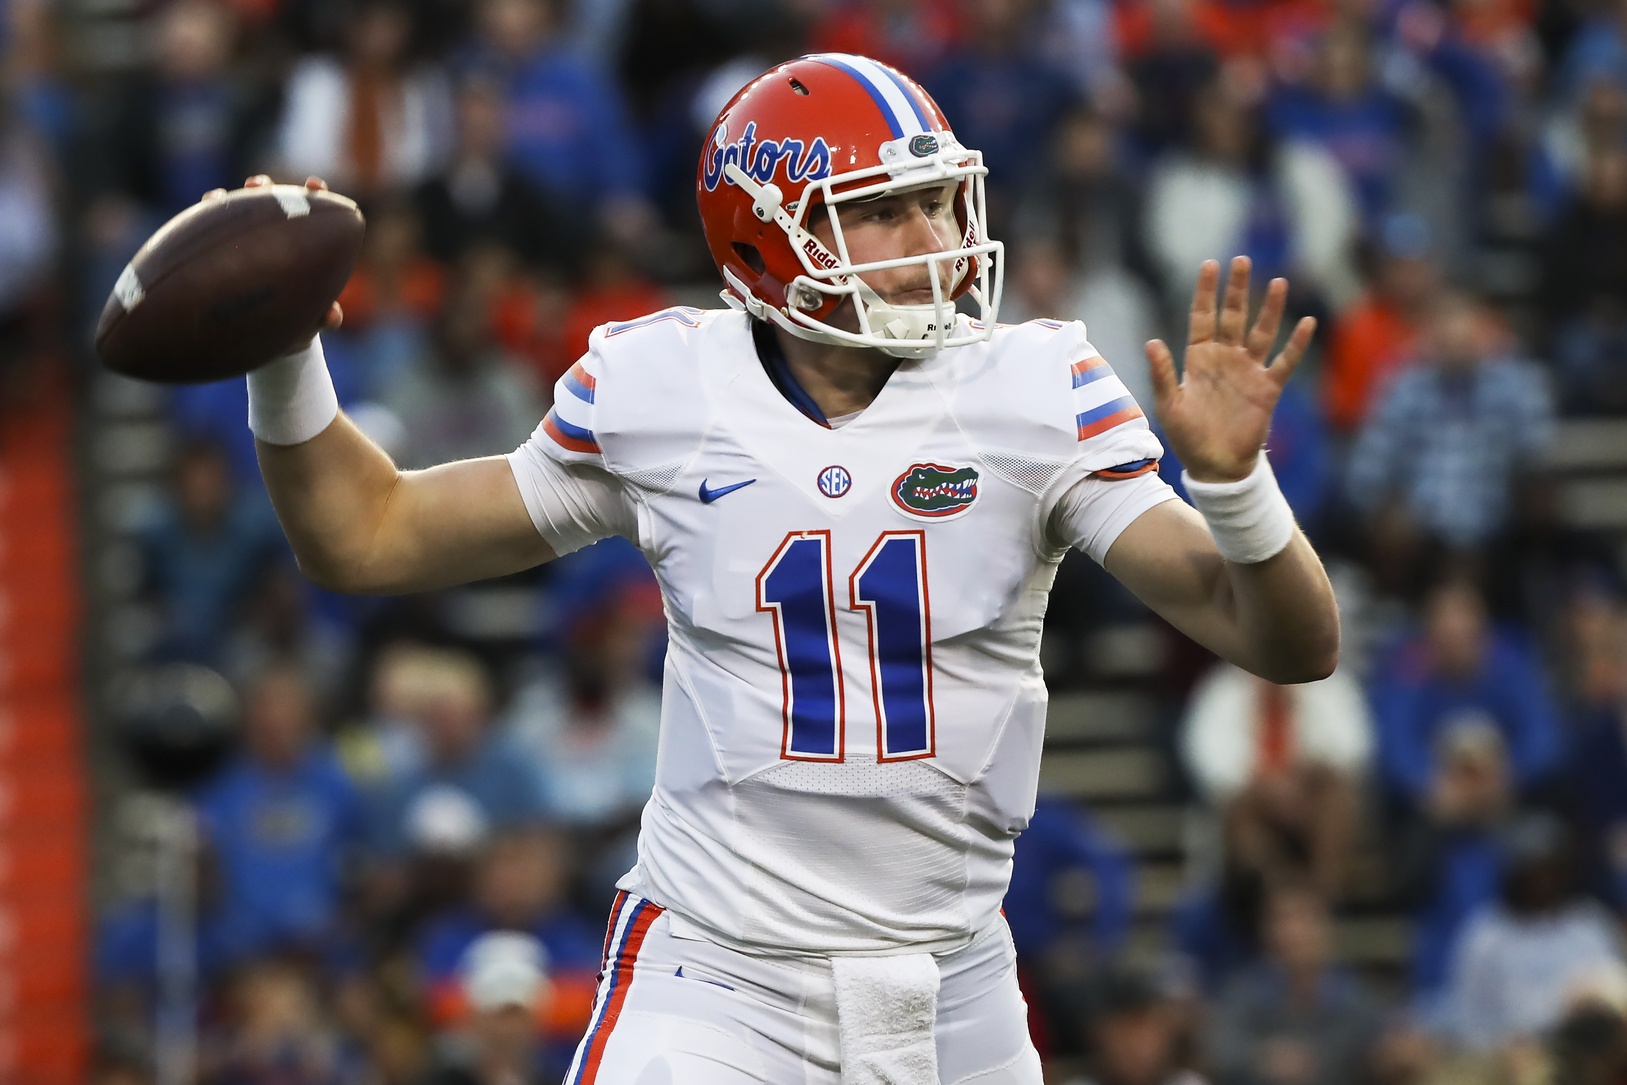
x,y
890,587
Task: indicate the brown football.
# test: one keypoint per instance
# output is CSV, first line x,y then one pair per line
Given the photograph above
x,y
229,284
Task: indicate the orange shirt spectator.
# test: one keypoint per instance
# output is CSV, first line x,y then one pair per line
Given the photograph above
x,y
1370,342
1378,335
615,290
393,277
1145,26
911,35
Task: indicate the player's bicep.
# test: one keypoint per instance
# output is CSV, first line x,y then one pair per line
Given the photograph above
x,y
1168,559
451,524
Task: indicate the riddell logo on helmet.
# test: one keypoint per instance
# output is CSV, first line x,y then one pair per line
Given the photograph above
x,y
762,160
821,256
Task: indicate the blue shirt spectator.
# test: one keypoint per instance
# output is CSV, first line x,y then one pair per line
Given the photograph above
x,y
283,818
1597,51
1597,771
1449,439
1297,1003
1463,867
468,782
191,124
1460,676
1062,840
520,884
1001,95
204,550
126,943
568,129
1346,111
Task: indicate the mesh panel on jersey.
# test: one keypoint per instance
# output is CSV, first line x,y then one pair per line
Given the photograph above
x,y
1030,475
894,852
657,479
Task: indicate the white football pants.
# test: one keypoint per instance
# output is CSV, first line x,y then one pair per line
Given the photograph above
x,y
682,1010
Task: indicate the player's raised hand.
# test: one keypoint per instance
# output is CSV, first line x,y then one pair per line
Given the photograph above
x,y
1217,411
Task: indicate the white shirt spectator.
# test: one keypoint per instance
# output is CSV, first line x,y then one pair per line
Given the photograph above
x,y
1514,976
592,775
1199,209
316,125
1328,725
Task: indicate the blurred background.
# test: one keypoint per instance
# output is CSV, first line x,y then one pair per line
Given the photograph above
x,y
255,833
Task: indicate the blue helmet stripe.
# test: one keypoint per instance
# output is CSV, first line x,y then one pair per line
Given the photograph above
x,y
886,91
909,96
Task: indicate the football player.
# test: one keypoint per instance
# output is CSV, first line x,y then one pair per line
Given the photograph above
x,y
854,497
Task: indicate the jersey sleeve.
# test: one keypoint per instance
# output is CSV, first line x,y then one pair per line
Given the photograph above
x,y
567,431
568,489
571,504
1112,433
1093,512
1112,477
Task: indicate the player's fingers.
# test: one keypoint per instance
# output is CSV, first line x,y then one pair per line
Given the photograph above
x,y
1202,326
258,180
1234,308
336,317
316,184
1269,322
1283,367
213,194
1161,366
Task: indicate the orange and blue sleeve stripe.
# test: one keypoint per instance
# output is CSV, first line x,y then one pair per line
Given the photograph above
x,y
1100,400
569,423
1113,413
567,436
580,383
1090,370
1134,469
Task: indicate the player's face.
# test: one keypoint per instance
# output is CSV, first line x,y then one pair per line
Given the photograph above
x,y
909,223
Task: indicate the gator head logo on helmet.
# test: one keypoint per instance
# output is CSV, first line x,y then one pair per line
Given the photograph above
x,y
934,492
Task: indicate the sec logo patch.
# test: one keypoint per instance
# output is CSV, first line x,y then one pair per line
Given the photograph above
x,y
834,481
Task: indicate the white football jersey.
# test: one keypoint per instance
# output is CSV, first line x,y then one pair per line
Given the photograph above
x,y
853,704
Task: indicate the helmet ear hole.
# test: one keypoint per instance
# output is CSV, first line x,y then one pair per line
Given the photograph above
x,y
751,256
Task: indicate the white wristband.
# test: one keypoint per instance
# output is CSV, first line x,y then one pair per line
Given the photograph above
x,y
1249,518
291,399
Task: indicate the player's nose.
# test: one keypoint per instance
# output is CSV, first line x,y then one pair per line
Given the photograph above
x,y
922,233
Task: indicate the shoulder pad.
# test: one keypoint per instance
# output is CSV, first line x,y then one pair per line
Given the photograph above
x,y
1042,388
650,408
622,406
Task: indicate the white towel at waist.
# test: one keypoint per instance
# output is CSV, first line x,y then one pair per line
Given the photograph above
x,y
885,1010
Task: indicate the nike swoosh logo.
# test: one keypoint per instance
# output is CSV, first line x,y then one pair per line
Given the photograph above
x,y
709,496
680,972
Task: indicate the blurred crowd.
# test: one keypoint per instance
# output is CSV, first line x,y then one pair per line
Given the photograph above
x,y
404,857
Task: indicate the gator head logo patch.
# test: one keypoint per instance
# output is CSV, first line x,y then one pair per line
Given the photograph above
x,y
924,145
933,492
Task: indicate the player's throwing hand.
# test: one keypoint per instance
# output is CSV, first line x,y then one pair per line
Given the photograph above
x,y
1217,412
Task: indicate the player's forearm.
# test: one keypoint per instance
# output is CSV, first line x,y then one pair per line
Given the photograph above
x,y
358,524
1267,608
1282,613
